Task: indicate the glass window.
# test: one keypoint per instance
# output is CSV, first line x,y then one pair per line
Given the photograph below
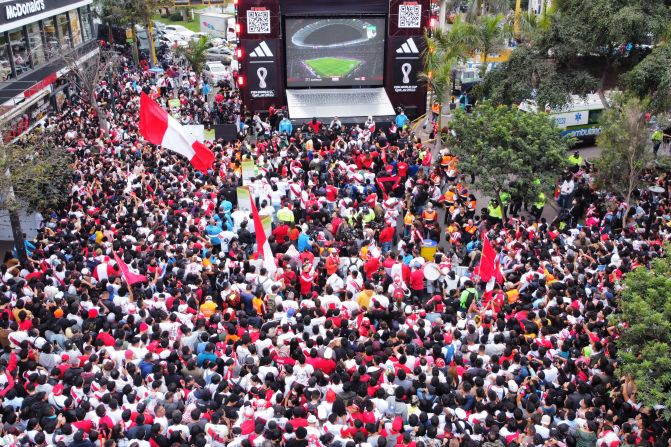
x,y
75,28
19,48
86,22
51,37
63,32
5,65
36,40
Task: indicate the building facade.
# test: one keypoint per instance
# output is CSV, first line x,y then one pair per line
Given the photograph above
x,y
34,34
537,6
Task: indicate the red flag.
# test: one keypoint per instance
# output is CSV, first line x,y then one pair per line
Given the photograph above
x,y
130,276
487,268
262,245
158,127
498,271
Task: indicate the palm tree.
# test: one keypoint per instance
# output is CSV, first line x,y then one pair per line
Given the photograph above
x,y
491,33
194,52
444,49
531,26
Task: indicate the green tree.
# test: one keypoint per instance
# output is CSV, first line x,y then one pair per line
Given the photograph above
x,y
644,345
504,146
491,32
128,13
194,52
624,143
587,45
652,78
37,177
443,51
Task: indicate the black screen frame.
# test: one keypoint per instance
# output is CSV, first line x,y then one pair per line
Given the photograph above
x,y
384,17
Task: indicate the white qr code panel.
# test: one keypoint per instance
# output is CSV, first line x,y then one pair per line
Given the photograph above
x,y
258,22
409,16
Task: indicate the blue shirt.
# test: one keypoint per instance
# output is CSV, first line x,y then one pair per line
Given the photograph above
x,y
286,126
401,120
214,230
303,242
211,356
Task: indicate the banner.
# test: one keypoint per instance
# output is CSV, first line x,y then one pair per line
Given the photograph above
x,y
173,104
197,130
407,64
267,221
248,171
243,198
262,67
209,134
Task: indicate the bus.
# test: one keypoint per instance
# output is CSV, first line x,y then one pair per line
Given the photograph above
x,y
578,119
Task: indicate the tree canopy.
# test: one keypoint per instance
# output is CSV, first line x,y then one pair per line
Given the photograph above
x,y
652,78
644,345
586,45
625,147
505,146
37,172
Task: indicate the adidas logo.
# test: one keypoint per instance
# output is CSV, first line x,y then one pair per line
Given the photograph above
x,y
408,47
261,51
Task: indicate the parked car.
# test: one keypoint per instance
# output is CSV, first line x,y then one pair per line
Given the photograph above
x,y
220,53
215,71
179,29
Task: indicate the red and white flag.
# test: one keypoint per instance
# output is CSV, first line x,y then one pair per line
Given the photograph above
x,y
103,271
130,276
262,244
489,267
158,127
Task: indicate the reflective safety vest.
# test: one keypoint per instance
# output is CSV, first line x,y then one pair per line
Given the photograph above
x,y
496,213
369,216
505,198
429,216
575,160
540,200
408,219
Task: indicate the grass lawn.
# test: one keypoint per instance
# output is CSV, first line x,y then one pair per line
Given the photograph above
x,y
329,67
193,25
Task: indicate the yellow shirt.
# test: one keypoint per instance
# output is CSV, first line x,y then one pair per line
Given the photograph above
x,y
363,298
208,308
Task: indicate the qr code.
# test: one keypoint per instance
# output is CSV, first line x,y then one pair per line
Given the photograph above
x,y
258,22
409,16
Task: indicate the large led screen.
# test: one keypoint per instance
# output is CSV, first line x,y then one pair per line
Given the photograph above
x,y
334,52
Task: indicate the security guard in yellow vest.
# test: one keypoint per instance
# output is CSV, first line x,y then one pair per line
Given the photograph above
x,y
495,212
539,204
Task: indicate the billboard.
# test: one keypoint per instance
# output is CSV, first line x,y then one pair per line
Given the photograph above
x,y
262,68
407,64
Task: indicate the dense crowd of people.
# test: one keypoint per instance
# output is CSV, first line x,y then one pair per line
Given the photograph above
x,y
361,337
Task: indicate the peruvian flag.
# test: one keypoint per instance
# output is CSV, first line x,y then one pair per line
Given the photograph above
x,y
130,276
262,245
103,271
158,127
489,267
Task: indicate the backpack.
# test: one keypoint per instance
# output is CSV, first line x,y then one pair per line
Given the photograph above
x,y
260,290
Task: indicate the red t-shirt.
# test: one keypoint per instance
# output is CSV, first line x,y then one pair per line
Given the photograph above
x,y
387,234
417,279
402,168
331,193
